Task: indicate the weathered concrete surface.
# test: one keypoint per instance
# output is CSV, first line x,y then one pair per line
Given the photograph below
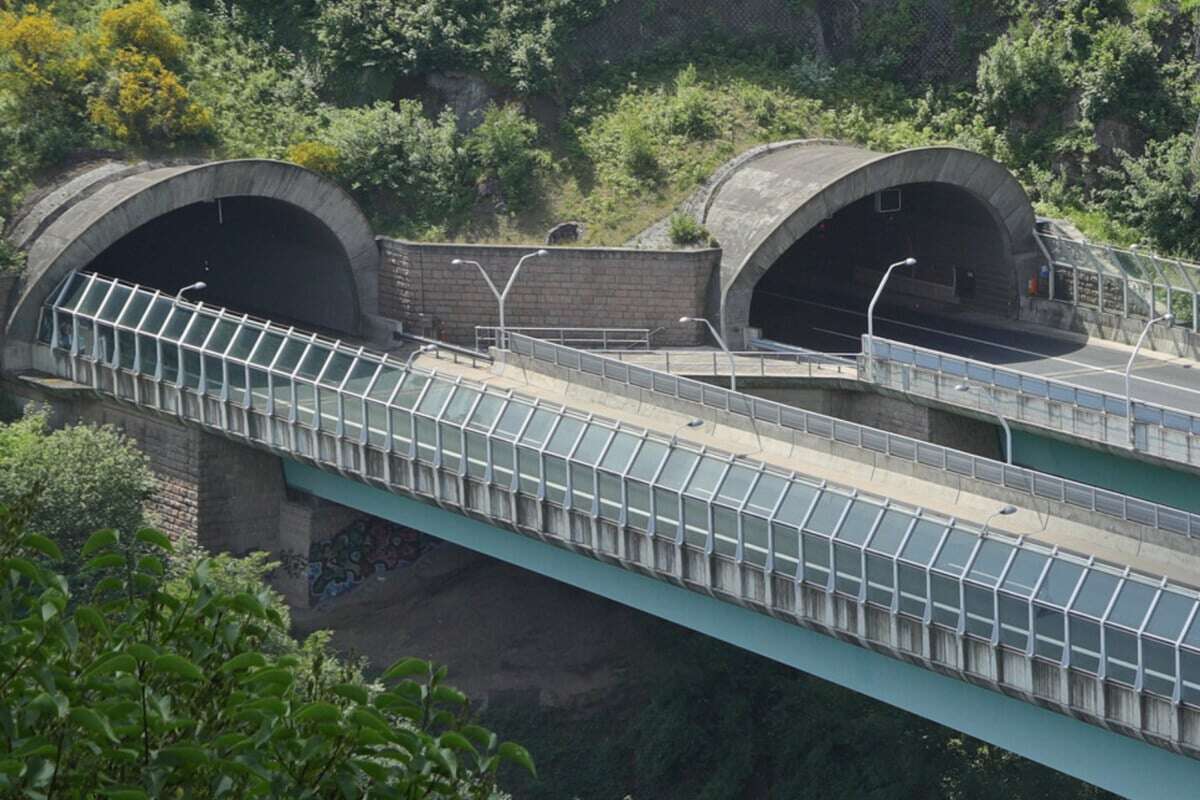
x,y
775,197
66,233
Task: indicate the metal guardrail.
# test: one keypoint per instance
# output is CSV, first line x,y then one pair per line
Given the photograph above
x,y
1162,431
749,363
1026,481
455,352
580,338
920,585
1126,282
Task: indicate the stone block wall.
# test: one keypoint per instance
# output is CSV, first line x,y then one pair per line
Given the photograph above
x,y
570,287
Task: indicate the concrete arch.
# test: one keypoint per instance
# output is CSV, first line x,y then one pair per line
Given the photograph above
x,y
72,226
768,202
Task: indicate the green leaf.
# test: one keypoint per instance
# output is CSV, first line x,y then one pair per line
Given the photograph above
x,y
178,665
106,561
124,794
119,662
184,755
93,723
448,694
279,675
485,738
100,540
511,751
142,651
156,538
455,741
93,619
151,565
351,691
370,719
247,604
42,545
25,567
319,712
406,667
244,661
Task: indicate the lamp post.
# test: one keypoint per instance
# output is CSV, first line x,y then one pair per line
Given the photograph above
x,y
1167,318
198,286
501,296
691,423
1002,511
1008,447
721,342
425,348
908,262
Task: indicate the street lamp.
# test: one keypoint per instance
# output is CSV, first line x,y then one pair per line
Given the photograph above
x,y
908,262
1167,318
501,297
425,348
691,423
198,286
721,342
1008,447
1002,511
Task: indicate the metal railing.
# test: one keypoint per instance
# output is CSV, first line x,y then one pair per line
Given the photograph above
x,y
580,338
1125,282
824,556
1161,431
749,363
987,470
455,353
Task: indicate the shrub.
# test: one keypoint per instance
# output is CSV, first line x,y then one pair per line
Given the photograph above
x,y
142,102
1023,75
637,151
1122,78
684,230
503,147
1158,193
88,477
141,26
317,156
689,111
151,687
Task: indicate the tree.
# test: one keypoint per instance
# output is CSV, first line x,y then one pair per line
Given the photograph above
x,y
152,688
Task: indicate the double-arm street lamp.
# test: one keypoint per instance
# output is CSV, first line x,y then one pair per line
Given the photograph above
x,y
908,262
721,342
501,296
1167,318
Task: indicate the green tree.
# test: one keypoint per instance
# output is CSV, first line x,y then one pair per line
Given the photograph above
x,y
504,147
152,687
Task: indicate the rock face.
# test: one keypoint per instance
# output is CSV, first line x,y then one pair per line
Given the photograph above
x,y
566,233
466,95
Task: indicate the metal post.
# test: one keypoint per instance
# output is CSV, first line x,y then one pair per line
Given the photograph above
x,y
1128,372
1008,437
908,262
721,342
501,296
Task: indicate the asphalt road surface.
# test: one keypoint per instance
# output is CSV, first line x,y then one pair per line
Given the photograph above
x,y
833,326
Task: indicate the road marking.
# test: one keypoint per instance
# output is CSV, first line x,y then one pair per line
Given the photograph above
x,y
1092,368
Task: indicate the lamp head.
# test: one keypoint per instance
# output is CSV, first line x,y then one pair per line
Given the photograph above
x,y
457,261
962,387
1167,318
685,319
910,262
542,252
1005,511
695,423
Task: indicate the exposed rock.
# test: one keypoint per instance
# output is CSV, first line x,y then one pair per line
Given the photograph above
x,y
466,95
566,233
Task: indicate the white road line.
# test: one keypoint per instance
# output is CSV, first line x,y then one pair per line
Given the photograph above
x,y
1042,356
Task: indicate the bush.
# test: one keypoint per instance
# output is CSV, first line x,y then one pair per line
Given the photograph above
x,y
503,147
87,477
142,102
1023,75
317,156
1122,79
684,230
689,111
637,151
140,26
1158,193
191,701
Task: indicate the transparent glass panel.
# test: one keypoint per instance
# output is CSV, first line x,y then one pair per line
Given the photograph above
x,y
538,428
637,496
912,590
160,307
94,296
766,493
1048,629
619,452
220,338
1085,644
676,470
847,562
736,484
705,477
290,355
126,349
237,383
796,503
435,397
512,419
148,362
282,394
981,612
945,600
582,487
565,436
1133,602
666,513
117,299
646,463
259,390
191,369
990,562
268,346
592,444
1158,663
243,343
610,496
1170,615
460,405
337,367
754,540
816,559
214,377
313,362
1060,582
556,479
1014,623
305,403
923,541
956,552
451,446
197,332
135,309
827,513
1026,569
427,441
485,412
410,390
890,531
859,522
74,290
879,580
787,548
1121,650
385,384
695,522
177,323
1096,593
476,454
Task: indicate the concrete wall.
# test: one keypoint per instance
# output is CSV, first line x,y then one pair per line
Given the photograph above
x,y
571,287
1090,322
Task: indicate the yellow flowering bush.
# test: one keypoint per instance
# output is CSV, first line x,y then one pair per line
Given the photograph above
x,y
38,54
143,102
140,26
317,156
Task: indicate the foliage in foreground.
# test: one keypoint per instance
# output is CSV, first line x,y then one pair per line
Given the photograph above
x,y
157,687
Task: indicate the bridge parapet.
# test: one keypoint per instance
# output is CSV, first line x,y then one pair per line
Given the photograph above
x,y
1099,641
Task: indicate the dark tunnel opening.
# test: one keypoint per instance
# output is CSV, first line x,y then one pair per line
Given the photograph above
x,y
816,292
257,255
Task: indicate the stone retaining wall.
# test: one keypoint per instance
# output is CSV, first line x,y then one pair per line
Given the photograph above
x,y
570,287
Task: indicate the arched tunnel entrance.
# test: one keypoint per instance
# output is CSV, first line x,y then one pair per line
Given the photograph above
x,y
962,264
256,254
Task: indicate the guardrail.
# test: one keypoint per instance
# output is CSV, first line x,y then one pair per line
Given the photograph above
x,y
581,338
1126,282
1027,481
749,363
455,352
1165,432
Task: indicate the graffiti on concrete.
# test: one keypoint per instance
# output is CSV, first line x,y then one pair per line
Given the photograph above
x,y
363,549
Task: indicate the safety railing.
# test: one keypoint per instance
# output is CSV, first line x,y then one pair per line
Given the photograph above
x,y
1019,479
580,338
748,363
825,556
1168,433
1126,282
